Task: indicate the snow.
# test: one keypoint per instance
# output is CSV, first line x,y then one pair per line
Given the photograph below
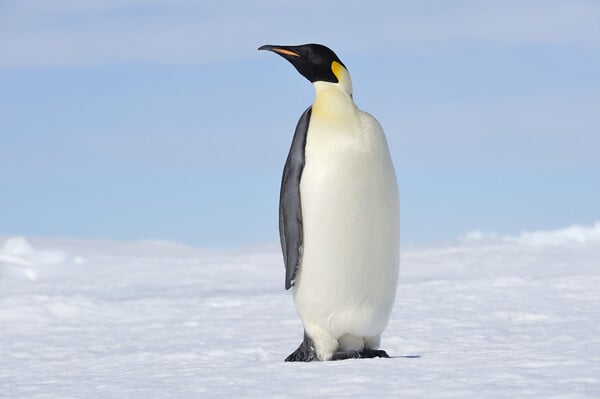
x,y
485,316
569,235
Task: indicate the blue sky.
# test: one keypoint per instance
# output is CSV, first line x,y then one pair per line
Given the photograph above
x,y
159,119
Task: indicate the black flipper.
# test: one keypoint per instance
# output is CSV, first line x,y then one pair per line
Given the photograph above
x,y
290,209
305,352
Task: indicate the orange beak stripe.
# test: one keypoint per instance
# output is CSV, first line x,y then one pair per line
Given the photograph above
x,y
287,52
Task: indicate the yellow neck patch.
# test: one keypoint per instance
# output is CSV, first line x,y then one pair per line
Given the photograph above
x,y
338,70
343,77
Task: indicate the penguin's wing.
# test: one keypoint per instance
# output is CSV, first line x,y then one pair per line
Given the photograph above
x,y
290,210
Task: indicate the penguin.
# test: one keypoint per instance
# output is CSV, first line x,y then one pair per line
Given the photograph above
x,y
338,216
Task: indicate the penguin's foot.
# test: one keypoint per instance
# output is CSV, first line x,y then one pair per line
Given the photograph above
x,y
343,355
363,354
371,353
305,352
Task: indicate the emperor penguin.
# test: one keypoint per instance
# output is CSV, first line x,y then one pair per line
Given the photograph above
x,y
338,216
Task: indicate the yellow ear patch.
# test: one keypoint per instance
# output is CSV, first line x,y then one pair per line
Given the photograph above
x,y
286,52
338,70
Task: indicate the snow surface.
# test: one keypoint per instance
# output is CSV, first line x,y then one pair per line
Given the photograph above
x,y
485,316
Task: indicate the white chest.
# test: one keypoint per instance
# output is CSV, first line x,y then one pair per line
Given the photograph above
x,y
350,216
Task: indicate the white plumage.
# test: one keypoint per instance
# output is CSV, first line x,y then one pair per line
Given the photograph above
x,y
346,284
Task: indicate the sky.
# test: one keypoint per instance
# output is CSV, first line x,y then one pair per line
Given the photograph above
x,y
160,119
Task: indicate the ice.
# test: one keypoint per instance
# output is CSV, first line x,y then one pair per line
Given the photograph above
x,y
486,316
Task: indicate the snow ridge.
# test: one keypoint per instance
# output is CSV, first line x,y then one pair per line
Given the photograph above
x,y
19,258
572,235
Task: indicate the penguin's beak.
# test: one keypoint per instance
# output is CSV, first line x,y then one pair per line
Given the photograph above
x,y
284,51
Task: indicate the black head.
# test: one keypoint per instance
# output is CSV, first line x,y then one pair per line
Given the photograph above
x,y
314,61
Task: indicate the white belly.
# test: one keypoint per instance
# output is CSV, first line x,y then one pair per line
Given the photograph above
x,y
347,280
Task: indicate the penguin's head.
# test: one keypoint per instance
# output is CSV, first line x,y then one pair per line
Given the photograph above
x,y
315,62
